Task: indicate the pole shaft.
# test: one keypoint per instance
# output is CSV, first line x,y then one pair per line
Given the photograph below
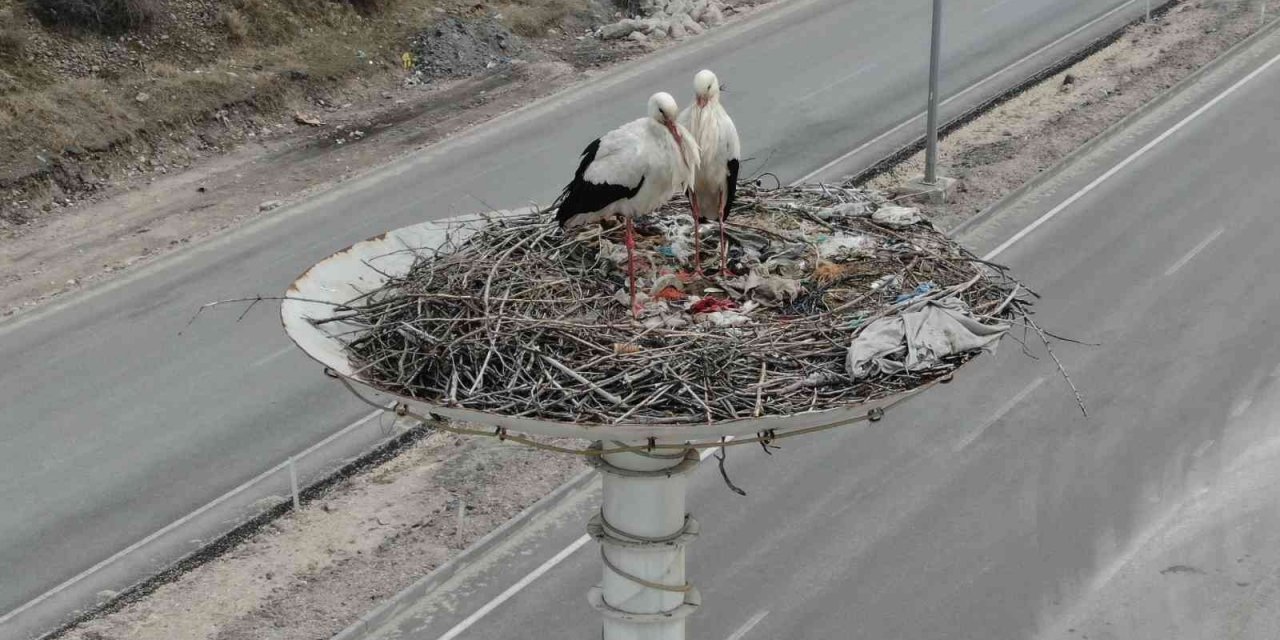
x,y
642,518
931,149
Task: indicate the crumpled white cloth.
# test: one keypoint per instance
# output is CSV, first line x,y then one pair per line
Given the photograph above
x,y
919,339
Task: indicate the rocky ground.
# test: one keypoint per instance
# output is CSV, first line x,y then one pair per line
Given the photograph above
x,y
664,19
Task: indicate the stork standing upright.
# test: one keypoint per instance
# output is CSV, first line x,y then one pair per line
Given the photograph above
x,y
716,179
631,171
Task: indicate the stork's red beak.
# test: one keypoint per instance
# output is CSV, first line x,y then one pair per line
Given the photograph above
x,y
675,133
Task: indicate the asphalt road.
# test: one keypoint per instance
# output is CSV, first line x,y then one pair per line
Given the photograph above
x,y
118,419
990,508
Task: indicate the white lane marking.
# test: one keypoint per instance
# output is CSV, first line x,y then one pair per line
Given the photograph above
x,y
1129,160
750,624
183,520
831,85
515,588
1006,408
519,586
1182,262
963,92
272,356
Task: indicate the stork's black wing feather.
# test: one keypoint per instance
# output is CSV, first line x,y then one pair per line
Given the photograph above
x,y
731,190
584,197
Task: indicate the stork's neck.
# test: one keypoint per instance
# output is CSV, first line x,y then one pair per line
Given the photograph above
x,y
707,115
686,149
704,126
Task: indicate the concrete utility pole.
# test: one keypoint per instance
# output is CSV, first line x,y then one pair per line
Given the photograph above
x,y
931,150
642,529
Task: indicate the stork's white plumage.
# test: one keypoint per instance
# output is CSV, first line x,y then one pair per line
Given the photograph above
x,y
716,180
631,171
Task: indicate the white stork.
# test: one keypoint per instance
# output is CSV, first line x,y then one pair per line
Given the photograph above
x,y
716,180
631,171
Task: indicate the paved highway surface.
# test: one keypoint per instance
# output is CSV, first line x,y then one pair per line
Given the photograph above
x,y
118,420
990,507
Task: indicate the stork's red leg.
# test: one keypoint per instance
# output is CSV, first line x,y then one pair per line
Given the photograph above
x,y
631,267
697,235
724,245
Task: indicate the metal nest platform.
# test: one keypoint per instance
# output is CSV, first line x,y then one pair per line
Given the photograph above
x,y
501,319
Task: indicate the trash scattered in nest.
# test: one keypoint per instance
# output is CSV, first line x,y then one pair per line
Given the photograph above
x,y
834,298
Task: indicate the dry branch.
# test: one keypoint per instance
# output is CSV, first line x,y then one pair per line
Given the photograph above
x,y
522,319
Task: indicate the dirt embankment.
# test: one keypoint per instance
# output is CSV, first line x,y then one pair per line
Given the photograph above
x,y
122,142
1002,149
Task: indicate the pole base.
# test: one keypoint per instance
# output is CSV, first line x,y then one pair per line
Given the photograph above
x,y
918,190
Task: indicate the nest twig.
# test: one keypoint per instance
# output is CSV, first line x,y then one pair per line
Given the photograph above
x,y
524,320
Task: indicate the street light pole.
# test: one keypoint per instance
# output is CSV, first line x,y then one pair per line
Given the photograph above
x,y
931,150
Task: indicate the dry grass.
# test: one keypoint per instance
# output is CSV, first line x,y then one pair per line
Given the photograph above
x,y
13,41
60,91
93,114
108,16
236,25
264,21
275,22
532,18
276,39
80,112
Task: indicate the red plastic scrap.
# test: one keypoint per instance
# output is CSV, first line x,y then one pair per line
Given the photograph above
x,y
712,305
670,293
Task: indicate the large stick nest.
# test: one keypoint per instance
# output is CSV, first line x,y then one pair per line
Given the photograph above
x,y
523,319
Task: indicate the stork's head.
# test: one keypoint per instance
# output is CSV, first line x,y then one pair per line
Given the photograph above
x,y
706,87
662,107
